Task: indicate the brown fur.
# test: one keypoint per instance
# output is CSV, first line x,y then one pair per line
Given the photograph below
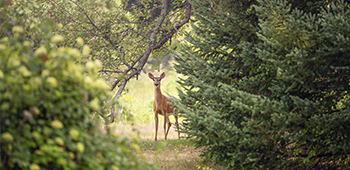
x,y
161,106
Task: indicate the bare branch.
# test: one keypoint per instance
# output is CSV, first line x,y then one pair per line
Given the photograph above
x,y
110,71
174,29
123,37
105,36
152,45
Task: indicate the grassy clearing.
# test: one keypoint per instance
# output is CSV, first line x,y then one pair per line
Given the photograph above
x,y
137,122
172,154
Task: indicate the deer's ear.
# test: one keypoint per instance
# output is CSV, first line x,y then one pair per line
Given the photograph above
x,y
150,75
162,75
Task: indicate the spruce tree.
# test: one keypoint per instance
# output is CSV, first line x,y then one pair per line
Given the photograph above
x,y
266,83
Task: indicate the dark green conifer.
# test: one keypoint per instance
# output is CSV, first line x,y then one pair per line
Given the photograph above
x,y
266,83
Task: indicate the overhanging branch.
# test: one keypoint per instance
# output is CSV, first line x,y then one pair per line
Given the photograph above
x,y
152,45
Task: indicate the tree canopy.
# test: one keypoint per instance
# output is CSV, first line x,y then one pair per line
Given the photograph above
x,y
121,35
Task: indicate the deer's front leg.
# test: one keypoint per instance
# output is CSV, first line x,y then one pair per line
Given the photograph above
x,y
165,121
156,124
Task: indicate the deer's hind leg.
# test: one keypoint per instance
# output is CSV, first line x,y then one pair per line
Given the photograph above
x,y
169,124
177,123
165,122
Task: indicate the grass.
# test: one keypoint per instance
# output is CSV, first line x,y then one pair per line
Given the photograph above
x,y
171,154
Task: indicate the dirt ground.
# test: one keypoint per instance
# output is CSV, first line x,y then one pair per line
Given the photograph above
x,y
172,154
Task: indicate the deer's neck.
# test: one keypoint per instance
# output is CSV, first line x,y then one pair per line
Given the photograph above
x,y
158,96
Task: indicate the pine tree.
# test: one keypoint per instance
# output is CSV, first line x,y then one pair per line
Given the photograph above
x,y
266,83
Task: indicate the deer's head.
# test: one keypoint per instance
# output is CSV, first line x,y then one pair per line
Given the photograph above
x,y
156,80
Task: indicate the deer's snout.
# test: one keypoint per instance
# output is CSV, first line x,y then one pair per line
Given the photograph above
x,y
156,84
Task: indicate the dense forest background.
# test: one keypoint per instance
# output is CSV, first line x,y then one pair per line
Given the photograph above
x,y
259,84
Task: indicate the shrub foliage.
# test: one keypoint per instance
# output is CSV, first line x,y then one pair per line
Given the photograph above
x,y
47,102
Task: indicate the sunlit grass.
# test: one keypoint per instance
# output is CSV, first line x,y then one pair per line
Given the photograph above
x,y
171,154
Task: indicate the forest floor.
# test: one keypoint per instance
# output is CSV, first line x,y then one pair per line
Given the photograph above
x,y
171,154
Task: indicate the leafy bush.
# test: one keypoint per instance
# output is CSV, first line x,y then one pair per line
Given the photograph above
x,y
47,102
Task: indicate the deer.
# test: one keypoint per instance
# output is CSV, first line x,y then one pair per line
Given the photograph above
x,y
162,107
